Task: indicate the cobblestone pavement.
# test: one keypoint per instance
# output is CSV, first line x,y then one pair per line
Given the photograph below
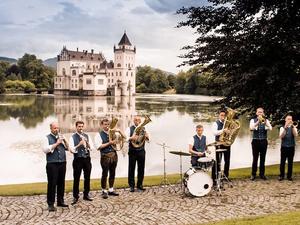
x,y
158,205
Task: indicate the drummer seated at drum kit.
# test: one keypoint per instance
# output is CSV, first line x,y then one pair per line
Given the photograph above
x,y
197,146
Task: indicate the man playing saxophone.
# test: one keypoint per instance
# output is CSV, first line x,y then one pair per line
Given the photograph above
x,y
218,129
109,158
136,154
287,134
81,145
260,126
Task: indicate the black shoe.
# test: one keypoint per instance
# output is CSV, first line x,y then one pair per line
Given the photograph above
x,y
252,178
141,189
62,205
113,193
263,177
75,200
104,195
280,178
131,189
290,179
51,208
87,198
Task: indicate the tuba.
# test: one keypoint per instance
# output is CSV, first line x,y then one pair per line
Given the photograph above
x,y
140,132
232,125
114,135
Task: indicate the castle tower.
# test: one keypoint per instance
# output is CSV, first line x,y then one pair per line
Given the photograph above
x,y
124,67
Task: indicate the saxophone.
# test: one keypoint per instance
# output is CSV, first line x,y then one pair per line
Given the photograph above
x,y
140,132
114,135
232,125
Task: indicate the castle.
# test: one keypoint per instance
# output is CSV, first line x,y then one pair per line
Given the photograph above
x,y
90,74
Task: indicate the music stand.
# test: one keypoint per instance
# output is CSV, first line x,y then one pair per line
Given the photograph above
x,y
164,180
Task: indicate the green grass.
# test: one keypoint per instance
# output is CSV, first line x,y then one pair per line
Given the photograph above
x,y
41,188
289,218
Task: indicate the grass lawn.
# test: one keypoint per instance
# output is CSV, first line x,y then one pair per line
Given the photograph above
x,y
41,188
290,218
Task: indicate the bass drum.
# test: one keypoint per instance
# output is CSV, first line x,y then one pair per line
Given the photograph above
x,y
198,182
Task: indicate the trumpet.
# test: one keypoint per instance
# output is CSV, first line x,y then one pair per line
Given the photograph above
x,y
261,119
293,124
64,140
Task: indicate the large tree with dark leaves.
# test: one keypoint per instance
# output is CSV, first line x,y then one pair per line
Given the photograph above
x,y
255,44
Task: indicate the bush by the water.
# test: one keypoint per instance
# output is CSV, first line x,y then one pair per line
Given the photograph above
x,y
19,86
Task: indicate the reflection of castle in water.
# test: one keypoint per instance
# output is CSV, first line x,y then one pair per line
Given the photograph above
x,y
92,110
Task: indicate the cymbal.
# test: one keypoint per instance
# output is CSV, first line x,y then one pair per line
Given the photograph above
x,y
221,150
180,153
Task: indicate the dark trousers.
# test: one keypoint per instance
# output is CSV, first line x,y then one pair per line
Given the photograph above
x,y
136,157
287,153
80,164
108,163
56,173
219,159
259,149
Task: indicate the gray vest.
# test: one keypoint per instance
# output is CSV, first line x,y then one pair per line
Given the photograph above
x,y
81,151
261,132
220,127
289,139
59,153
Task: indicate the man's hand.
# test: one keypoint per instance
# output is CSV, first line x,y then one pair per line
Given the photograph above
x,y
134,137
112,142
200,154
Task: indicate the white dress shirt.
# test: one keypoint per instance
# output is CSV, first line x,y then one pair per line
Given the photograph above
x,y
252,126
282,130
215,130
46,147
98,140
191,140
72,144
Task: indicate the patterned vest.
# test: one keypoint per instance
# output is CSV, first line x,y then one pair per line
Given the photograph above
x,y
261,132
105,139
288,140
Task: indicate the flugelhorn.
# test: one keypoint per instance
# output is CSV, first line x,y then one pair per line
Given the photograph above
x,y
261,119
293,124
86,144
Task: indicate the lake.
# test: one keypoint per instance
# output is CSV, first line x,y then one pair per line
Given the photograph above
x,y
25,120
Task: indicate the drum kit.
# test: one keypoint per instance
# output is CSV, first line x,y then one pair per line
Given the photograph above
x,y
197,179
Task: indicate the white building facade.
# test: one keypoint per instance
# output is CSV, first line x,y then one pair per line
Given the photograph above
x,y
88,73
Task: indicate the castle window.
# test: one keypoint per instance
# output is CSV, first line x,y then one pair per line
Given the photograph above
x,y
112,74
59,79
126,65
108,80
112,80
72,86
75,85
64,71
119,65
73,72
88,81
116,73
131,73
100,81
88,109
120,73
127,74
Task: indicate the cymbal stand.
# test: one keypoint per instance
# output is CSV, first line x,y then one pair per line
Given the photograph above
x,y
164,181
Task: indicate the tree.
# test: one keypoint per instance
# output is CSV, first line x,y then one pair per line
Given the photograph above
x,y
171,79
3,68
180,82
23,65
256,45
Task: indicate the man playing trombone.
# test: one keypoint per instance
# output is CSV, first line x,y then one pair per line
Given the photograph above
x,y
80,146
287,133
55,147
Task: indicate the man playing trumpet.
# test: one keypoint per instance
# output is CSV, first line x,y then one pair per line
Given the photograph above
x,y
80,146
260,126
55,147
287,133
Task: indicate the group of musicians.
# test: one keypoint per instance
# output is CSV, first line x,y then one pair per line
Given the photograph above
x,y
287,134
80,144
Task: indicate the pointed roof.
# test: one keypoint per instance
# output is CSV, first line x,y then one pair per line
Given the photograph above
x,y
124,40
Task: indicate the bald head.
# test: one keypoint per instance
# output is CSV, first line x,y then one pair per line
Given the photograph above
x,y
54,128
136,120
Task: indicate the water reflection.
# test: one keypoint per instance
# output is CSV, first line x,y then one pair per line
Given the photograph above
x,y
26,119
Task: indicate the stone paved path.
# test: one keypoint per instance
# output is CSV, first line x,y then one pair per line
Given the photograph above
x,y
158,206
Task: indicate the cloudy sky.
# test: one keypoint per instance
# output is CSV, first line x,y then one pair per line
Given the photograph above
x,y
42,27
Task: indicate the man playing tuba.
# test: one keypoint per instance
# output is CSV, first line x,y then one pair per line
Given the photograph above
x,y
109,158
136,136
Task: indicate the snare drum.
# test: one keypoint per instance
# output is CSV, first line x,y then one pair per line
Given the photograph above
x,y
205,163
198,182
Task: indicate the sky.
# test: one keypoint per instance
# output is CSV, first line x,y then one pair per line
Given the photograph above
x,y
43,27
